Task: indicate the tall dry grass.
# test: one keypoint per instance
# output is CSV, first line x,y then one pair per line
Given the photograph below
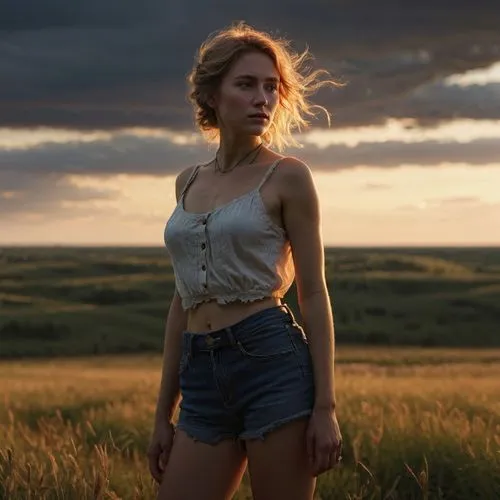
x,y
79,429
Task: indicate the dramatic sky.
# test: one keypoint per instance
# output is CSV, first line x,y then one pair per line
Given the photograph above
x,y
95,125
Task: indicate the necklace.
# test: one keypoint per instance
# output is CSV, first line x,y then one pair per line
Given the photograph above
x,y
255,150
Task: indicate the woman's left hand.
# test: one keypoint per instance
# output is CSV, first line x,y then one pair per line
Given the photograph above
x,y
324,440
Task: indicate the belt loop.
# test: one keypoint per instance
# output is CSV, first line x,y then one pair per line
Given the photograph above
x,y
230,335
290,313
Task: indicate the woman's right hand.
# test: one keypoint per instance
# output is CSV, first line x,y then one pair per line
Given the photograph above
x,y
159,448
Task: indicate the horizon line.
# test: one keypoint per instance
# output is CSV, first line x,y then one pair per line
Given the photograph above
x,y
337,245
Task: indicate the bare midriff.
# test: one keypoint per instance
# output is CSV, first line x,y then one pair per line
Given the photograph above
x,y
211,316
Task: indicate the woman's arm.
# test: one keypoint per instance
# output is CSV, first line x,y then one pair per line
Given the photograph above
x,y
169,394
301,213
302,219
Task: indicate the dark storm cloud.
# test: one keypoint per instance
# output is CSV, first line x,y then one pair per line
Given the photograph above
x,y
124,154
112,64
128,154
428,105
392,154
439,101
37,179
24,193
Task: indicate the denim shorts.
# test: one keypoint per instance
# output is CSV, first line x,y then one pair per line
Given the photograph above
x,y
247,379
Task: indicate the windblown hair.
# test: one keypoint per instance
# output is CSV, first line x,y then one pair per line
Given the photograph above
x,y
223,48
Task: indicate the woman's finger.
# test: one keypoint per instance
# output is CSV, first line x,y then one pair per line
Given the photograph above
x,y
154,463
335,459
322,458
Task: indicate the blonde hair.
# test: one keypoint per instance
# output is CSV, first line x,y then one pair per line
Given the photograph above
x,y
223,48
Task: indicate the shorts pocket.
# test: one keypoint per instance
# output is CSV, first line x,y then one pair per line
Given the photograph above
x,y
297,334
299,340
270,343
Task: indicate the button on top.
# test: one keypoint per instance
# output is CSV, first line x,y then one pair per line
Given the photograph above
x,y
203,246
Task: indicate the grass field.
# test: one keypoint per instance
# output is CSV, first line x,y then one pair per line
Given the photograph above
x,y
417,424
73,301
417,371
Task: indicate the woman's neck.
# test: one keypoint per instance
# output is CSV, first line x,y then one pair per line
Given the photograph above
x,y
232,152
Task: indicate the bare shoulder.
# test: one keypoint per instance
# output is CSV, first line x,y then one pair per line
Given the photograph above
x,y
295,177
181,180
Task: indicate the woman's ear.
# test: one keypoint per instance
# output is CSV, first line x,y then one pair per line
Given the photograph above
x,y
211,101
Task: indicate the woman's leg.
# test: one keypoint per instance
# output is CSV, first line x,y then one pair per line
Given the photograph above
x,y
197,470
278,465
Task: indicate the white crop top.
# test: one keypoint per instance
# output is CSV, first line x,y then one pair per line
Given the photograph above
x,y
235,252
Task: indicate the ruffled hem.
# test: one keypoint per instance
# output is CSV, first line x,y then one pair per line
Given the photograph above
x,y
225,299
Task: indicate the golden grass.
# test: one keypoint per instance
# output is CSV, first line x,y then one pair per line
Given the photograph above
x,y
80,428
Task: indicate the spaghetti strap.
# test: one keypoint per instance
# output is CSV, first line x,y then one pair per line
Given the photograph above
x,y
268,173
190,180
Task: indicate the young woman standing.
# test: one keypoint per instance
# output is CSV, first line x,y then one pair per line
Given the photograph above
x,y
257,388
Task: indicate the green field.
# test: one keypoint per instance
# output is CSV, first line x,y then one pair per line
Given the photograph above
x,y
72,301
417,371
417,424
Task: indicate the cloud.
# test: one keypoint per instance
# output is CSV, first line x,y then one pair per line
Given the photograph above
x,y
436,102
376,186
135,155
392,154
123,154
39,180
455,201
22,193
110,64
427,105
459,211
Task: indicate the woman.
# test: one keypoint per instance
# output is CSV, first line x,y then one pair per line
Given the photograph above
x,y
257,388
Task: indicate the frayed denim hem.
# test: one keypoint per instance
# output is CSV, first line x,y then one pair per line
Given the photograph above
x,y
200,436
260,433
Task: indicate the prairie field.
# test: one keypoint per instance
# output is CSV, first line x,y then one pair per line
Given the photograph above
x,y
417,424
417,371
75,301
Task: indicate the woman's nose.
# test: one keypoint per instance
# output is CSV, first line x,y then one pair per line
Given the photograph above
x,y
260,98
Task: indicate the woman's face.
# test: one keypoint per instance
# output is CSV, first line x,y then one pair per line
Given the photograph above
x,y
248,95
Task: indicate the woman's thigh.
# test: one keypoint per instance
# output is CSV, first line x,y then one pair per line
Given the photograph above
x,y
198,470
278,464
